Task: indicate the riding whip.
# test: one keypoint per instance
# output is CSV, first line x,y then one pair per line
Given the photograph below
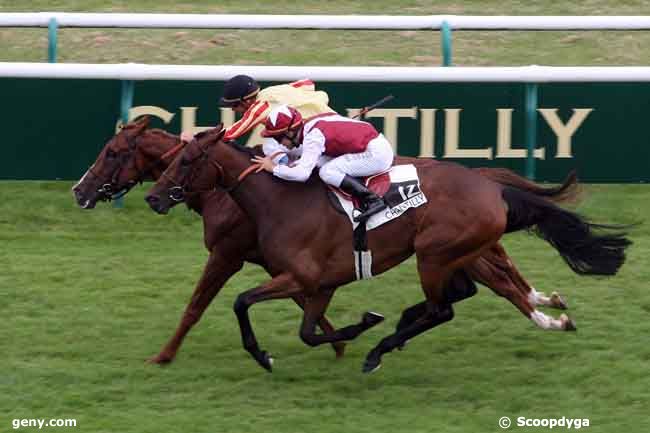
x,y
379,103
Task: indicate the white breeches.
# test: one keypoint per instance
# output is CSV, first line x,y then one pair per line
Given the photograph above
x,y
377,157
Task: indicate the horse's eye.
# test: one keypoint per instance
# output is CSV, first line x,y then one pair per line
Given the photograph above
x,y
110,154
185,161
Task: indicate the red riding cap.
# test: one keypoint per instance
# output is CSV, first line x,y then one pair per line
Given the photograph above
x,y
280,120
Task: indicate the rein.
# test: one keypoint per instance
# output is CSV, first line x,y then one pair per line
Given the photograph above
x,y
173,151
254,168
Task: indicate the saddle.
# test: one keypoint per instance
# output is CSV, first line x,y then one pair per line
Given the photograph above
x,y
378,183
399,187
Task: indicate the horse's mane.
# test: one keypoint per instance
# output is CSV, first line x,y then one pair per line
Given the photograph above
x,y
162,132
250,151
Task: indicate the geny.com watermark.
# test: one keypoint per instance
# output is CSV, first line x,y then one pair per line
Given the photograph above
x,y
40,423
564,422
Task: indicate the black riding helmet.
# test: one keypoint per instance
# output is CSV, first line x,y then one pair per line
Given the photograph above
x,y
237,89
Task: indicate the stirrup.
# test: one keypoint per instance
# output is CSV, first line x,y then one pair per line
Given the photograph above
x,y
371,209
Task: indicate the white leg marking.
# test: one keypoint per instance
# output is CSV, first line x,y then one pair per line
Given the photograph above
x,y
546,322
539,298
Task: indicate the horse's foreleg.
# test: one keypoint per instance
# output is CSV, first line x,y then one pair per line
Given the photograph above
x,y
325,325
282,286
315,308
215,274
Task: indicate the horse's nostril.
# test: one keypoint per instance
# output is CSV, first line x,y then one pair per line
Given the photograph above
x,y
151,199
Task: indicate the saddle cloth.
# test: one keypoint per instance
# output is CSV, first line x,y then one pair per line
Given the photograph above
x,y
400,188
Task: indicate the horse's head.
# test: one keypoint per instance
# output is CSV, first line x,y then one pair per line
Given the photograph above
x,y
190,173
115,170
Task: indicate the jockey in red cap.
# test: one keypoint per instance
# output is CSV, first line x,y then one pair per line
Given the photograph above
x,y
343,148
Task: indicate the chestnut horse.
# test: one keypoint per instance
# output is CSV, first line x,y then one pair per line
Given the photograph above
x,y
137,153
466,214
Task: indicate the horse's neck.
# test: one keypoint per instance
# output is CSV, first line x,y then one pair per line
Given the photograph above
x,y
156,143
263,197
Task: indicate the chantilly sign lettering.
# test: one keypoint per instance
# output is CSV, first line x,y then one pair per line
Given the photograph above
x,y
426,117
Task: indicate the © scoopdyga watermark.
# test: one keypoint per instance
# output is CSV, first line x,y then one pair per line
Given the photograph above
x,y
564,422
40,423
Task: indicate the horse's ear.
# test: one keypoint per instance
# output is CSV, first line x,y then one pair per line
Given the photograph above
x,y
222,131
215,133
143,122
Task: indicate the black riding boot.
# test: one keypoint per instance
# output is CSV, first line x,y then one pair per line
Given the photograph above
x,y
371,203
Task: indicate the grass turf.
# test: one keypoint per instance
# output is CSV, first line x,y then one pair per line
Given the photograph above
x,y
89,295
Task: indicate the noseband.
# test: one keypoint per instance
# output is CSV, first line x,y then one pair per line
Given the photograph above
x,y
178,191
108,191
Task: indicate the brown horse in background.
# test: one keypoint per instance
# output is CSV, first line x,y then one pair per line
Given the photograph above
x,y
466,214
137,153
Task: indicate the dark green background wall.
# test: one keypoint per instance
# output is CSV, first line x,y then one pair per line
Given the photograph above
x,y
53,129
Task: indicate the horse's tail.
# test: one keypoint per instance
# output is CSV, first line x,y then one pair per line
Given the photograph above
x,y
570,234
568,191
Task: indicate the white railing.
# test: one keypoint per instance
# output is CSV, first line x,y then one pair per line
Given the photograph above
x,y
520,74
367,22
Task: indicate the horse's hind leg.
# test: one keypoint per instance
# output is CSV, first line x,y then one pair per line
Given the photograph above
x,y
435,311
563,323
553,301
502,285
495,267
411,314
315,308
459,287
433,316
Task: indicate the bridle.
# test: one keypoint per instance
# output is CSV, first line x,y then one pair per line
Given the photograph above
x,y
179,189
111,190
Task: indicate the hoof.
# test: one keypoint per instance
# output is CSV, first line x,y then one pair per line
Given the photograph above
x,y
339,349
160,359
558,302
264,359
567,323
371,319
372,362
370,366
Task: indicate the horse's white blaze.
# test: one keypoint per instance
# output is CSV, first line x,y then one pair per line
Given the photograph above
x,y
82,178
546,322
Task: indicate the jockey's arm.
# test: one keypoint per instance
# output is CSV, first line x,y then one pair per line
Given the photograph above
x,y
271,146
255,115
305,84
313,147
